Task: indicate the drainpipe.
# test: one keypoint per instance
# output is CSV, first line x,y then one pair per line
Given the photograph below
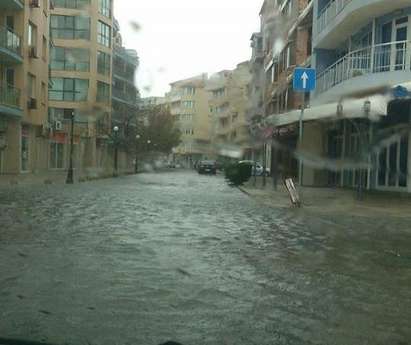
x,y
343,151
372,57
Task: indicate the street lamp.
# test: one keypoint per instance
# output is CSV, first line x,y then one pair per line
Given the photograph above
x,y
70,171
115,129
136,161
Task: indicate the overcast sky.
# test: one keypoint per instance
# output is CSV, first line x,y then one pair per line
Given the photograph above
x,y
178,39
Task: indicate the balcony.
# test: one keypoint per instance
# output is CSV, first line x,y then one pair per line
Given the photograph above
x,y
126,56
123,75
10,47
12,5
10,101
329,12
123,97
368,68
342,18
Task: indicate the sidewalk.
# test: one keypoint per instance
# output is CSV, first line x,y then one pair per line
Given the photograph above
x,y
331,200
55,177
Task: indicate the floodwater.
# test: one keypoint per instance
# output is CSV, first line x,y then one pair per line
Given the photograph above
x,y
177,256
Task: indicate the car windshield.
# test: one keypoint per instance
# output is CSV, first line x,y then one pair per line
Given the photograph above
x,y
205,172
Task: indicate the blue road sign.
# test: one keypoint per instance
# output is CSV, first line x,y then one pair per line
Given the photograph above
x,y
304,79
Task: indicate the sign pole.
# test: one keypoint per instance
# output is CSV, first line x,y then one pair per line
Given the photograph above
x,y
304,81
300,142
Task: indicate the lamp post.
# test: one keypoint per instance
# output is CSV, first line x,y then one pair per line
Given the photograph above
x,y
70,171
115,129
136,161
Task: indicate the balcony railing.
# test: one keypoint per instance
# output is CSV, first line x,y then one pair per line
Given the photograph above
x,y
128,98
126,75
329,12
9,96
385,57
10,40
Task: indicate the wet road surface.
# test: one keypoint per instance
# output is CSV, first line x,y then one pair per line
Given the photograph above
x,y
142,260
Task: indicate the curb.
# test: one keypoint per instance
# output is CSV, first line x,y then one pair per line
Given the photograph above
x,y
243,190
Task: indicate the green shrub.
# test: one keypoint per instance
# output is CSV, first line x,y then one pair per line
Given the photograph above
x,y
236,174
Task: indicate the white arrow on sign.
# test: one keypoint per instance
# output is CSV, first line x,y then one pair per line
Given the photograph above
x,y
304,78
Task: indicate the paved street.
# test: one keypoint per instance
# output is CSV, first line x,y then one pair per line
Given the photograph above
x,y
142,260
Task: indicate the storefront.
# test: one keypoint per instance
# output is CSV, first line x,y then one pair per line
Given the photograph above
x,y
283,158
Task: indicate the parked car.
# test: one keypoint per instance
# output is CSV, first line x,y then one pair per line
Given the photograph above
x,y
171,164
259,169
207,167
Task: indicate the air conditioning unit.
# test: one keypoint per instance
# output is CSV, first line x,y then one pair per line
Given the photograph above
x,y
35,3
32,103
58,125
33,52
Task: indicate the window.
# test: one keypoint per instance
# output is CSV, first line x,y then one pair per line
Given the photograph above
x,y
219,93
68,89
103,92
70,27
60,114
70,59
44,49
189,90
56,155
71,3
103,34
188,104
31,85
105,8
43,94
103,63
32,35
10,22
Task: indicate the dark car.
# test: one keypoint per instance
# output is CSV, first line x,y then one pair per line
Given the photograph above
x,y
207,167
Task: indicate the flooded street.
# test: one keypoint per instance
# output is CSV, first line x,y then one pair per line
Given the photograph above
x,y
178,256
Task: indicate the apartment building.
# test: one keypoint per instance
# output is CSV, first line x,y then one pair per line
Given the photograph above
x,y
255,110
80,82
125,96
286,28
355,130
362,52
24,49
228,103
188,103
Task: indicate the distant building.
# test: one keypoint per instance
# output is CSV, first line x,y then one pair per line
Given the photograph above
x,y
152,101
188,102
228,103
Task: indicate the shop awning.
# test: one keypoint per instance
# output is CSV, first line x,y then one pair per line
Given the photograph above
x,y
369,107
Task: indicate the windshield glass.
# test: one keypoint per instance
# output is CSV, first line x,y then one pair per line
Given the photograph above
x,y
205,172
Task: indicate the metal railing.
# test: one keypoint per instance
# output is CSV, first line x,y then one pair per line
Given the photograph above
x,y
385,57
10,40
10,96
329,12
124,96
